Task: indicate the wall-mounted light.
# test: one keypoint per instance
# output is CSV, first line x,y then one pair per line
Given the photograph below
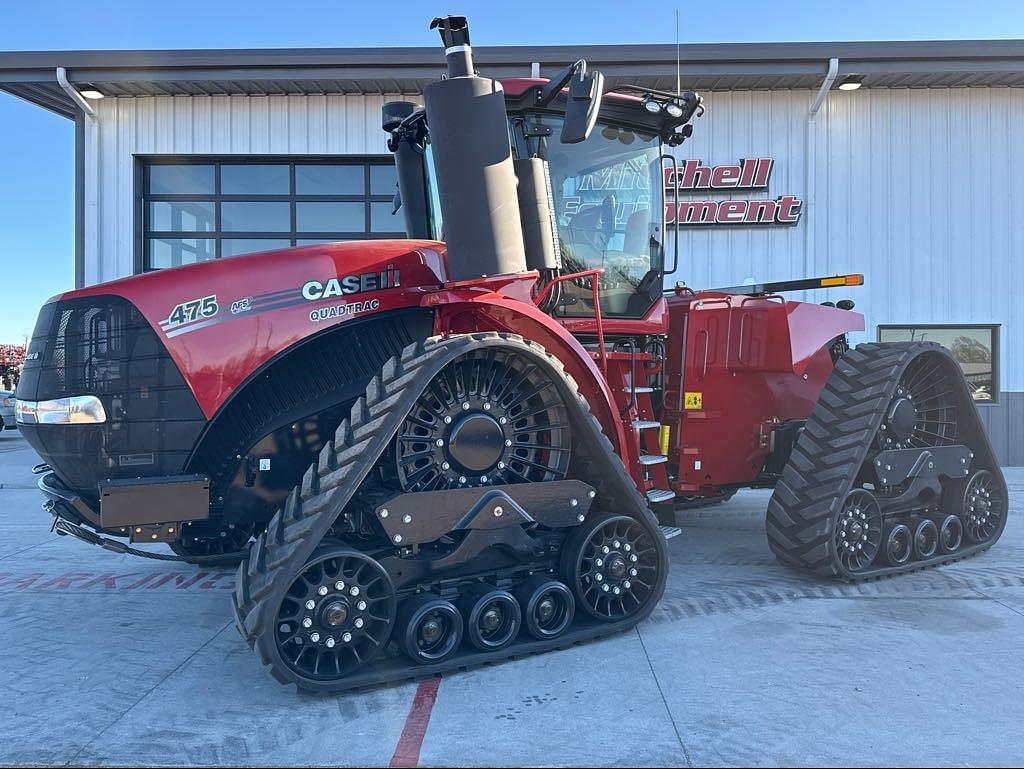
x,y
851,82
90,92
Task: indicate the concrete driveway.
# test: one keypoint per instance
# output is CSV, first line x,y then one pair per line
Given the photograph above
x,y
113,660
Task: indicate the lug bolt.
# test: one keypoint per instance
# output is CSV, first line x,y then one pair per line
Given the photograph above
x,y
617,544
397,538
501,465
447,420
358,622
599,577
310,604
591,493
483,479
361,605
598,562
354,591
407,518
605,588
439,442
487,407
339,585
508,441
445,466
322,590
384,513
605,550
314,637
329,643
633,558
346,637
580,517
502,420
465,407
632,572
462,479
616,590
627,547
307,622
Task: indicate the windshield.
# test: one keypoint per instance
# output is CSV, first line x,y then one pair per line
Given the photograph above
x,y
608,206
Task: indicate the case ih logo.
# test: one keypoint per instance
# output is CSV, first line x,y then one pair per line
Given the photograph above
x,y
750,174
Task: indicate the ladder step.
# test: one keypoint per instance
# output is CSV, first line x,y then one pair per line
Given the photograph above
x,y
639,389
670,531
652,459
660,495
644,424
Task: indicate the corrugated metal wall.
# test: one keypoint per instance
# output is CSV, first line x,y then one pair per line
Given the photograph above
x,y
911,187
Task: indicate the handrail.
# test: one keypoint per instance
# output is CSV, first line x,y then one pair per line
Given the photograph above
x,y
675,215
595,286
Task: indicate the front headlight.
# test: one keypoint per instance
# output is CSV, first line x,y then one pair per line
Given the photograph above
x,y
76,410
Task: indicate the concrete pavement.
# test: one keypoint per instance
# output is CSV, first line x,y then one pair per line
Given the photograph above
x,y
112,660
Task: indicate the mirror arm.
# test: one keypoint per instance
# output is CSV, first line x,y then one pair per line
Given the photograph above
x,y
547,94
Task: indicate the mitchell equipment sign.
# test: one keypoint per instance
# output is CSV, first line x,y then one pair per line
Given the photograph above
x,y
750,174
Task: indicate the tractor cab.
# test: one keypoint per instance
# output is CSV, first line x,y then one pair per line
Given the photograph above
x,y
590,168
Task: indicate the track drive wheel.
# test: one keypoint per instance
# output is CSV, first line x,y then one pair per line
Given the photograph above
x,y
615,565
336,615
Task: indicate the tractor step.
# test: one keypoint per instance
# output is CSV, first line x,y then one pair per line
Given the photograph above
x,y
660,495
670,531
652,459
645,424
639,389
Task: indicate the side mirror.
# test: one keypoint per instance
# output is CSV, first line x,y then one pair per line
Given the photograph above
x,y
582,106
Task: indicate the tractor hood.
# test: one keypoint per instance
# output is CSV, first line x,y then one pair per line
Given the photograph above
x,y
222,320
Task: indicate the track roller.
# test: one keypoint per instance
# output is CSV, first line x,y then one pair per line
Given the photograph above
x,y
492,618
547,605
980,501
899,545
926,539
951,534
431,628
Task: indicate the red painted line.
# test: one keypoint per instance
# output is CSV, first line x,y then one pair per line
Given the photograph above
x,y
407,752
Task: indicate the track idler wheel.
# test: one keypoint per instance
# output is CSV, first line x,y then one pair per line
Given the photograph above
x,y
613,565
926,539
899,545
432,628
548,607
492,618
337,615
981,504
951,534
858,531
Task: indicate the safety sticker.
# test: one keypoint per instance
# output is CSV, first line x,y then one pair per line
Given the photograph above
x,y
693,400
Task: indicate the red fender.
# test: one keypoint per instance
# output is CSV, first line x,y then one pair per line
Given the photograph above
x,y
466,311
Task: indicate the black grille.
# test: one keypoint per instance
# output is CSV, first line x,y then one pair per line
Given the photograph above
x,y
103,346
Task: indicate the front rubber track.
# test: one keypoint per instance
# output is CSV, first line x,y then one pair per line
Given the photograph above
x,y
279,554
834,445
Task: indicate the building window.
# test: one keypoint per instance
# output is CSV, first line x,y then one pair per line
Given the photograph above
x,y
194,209
976,348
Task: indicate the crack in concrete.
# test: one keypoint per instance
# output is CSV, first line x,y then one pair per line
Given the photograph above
x,y
661,693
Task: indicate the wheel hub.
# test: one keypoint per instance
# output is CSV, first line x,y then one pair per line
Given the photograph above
x,y
476,442
546,608
902,418
335,613
431,630
491,619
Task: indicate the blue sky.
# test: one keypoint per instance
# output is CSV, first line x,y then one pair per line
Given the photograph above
x,y
37,148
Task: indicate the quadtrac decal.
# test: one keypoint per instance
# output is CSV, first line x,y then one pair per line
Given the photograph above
x,y
200,313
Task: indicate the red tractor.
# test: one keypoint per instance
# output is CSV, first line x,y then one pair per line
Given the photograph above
x,y
444,451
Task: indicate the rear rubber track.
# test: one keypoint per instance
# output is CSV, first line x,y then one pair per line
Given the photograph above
x,y
279,554
833,447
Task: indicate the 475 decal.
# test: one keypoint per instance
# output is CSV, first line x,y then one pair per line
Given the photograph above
x,y
196,309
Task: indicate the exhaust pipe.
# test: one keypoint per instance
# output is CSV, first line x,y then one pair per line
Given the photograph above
x,y
475,177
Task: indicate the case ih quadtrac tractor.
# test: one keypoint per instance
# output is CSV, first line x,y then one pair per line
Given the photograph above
x,y
448,450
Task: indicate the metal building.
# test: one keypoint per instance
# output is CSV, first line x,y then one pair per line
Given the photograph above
x,y
908,179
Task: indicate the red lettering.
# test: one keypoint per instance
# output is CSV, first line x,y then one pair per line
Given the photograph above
x,y
697,212
725,176
764,170
731,211
695,176
761,212
789,209
66,580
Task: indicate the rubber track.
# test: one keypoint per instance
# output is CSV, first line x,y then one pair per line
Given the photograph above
x,y
277,555
831,450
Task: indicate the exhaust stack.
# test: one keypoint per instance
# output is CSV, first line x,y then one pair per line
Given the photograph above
x,y
475,177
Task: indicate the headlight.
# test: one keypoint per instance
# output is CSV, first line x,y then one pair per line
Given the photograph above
x,y
77,410
673,110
